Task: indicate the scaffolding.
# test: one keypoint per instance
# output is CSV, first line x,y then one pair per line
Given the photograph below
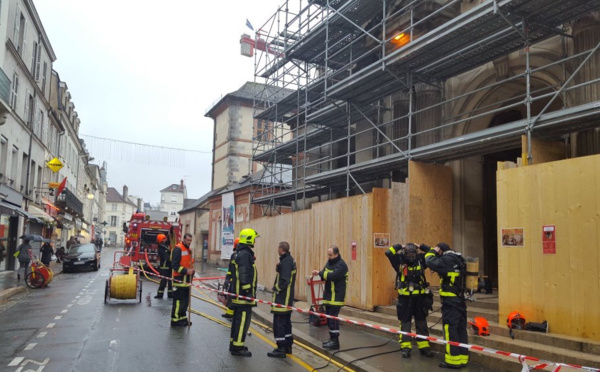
x,y
365,85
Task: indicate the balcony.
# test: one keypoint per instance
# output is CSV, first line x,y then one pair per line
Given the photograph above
x,y
68,202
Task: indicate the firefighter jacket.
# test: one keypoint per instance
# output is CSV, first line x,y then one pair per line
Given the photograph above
x,y
335,274
451,267
230,268
410,276
285,282
165,256
243,275
181,261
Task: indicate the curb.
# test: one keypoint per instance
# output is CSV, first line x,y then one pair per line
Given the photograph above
x,y
6,294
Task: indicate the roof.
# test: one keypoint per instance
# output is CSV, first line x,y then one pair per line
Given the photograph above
x,y
178,188
113,196
249,91
199,202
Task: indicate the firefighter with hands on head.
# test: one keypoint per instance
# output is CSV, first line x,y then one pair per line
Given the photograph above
x,y
283,294
243,283
414,298
227,283
165,267
183,274
335,275
451,267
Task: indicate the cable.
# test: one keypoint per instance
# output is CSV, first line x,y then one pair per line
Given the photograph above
x,y
144,144
356,348
367,357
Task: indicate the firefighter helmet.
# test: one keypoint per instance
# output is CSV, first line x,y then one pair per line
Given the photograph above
x,y
515,321
161,238
236,242
410,252
247,236
480,326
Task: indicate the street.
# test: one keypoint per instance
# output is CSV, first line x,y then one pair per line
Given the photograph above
x,y
67,327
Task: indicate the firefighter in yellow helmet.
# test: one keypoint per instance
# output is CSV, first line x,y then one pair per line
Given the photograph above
x,y
414,297
165,267
227,284
243,283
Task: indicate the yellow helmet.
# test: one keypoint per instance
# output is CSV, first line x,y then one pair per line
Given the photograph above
x,y
247,236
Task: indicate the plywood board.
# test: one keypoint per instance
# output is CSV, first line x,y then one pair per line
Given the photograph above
x,y
544,151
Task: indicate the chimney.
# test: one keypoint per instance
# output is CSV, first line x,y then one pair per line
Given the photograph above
x,y
181,184
139,205
125,192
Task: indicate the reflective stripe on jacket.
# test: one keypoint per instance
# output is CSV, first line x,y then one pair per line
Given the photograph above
x,y
335,274
409,273
451,268
181,260
285,283
243,275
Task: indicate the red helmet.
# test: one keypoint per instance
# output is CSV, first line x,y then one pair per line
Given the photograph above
x,y
481,326
236,242
515,320
160,238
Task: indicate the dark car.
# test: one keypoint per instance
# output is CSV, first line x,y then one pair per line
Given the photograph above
x,y
82,256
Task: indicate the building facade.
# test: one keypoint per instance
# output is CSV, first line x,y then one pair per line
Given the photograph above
x,y
171,199
118,210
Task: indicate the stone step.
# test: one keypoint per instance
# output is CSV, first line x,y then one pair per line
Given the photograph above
x,y
472,312
540,345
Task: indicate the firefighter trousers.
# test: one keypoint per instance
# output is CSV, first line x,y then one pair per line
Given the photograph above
x,y
242,316
454,319
333,324
166,272
181,301
282,329
407,308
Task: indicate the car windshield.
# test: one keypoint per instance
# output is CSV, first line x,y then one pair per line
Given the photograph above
x,y
84,248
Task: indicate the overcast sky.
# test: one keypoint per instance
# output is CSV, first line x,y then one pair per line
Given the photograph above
x,y
146,71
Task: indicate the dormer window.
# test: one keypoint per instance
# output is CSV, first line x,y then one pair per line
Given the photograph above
x,y
174,187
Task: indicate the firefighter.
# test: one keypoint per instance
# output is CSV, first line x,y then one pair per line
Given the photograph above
x,y
335,274
414,298
227,284
164,268
183,273
243,282
451,267
283,293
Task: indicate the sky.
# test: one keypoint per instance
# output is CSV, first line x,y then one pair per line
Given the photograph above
x,y
146,71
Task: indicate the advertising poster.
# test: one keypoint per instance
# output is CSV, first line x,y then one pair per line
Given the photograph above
x,y
227,218
381,240
549,239
513,237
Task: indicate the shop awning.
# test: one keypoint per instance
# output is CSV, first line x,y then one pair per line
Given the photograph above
x,y
21,211
40,213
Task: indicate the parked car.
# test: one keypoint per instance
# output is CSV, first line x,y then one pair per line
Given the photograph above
x,y
81,256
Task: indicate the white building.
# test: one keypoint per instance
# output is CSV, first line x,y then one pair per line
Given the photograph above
x,y
171,199
118,210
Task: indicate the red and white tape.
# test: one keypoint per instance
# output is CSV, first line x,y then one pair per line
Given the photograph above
x,y
520,357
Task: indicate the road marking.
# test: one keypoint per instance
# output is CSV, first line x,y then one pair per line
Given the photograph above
x,y
69,305
73,301
64,311
30,346
16,361
113,355
42,334
77,296
51,325
58,317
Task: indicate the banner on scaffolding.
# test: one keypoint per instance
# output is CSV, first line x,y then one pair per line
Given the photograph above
x,y
227,220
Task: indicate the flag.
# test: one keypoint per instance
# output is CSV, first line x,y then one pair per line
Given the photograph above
x,y
249,24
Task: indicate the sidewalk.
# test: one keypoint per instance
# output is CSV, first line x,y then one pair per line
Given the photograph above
x,y
10,286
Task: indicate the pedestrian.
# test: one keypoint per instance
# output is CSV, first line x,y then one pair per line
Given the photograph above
x,y
23,254
451,267
165,267
98,243
243,283
335,274
414,297
283,294
72,241
60,254
183,273
46,251
2,251
227,283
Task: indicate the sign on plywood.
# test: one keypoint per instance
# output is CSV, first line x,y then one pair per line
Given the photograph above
x,y
513,237
549,239
381,240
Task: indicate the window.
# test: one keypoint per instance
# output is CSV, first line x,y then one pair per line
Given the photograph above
x,y
34,57
14,162
29,108
173,199
39,122
113,207
44,76
20,32
14,92
162,198
3,156
113,221
24,171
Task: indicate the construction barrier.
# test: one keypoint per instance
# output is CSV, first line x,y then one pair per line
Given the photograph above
x,y
520,357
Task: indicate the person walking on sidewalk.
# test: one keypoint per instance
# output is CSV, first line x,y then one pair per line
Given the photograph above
x,y
283,293
183,273
335,274
414,298
23,252
451,267
243,282
165,267
228,314
46,251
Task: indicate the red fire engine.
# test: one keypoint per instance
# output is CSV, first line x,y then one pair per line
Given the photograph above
x,y
140,238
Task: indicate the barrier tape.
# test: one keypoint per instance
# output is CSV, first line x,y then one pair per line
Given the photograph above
x,y
520,357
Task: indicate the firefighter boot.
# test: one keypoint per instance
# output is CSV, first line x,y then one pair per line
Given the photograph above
x,y
405,353
279,352
159,295
426,352
450,366
332,344
244,352
288,349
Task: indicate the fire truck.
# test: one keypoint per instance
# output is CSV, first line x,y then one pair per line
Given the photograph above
x,y
140,238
